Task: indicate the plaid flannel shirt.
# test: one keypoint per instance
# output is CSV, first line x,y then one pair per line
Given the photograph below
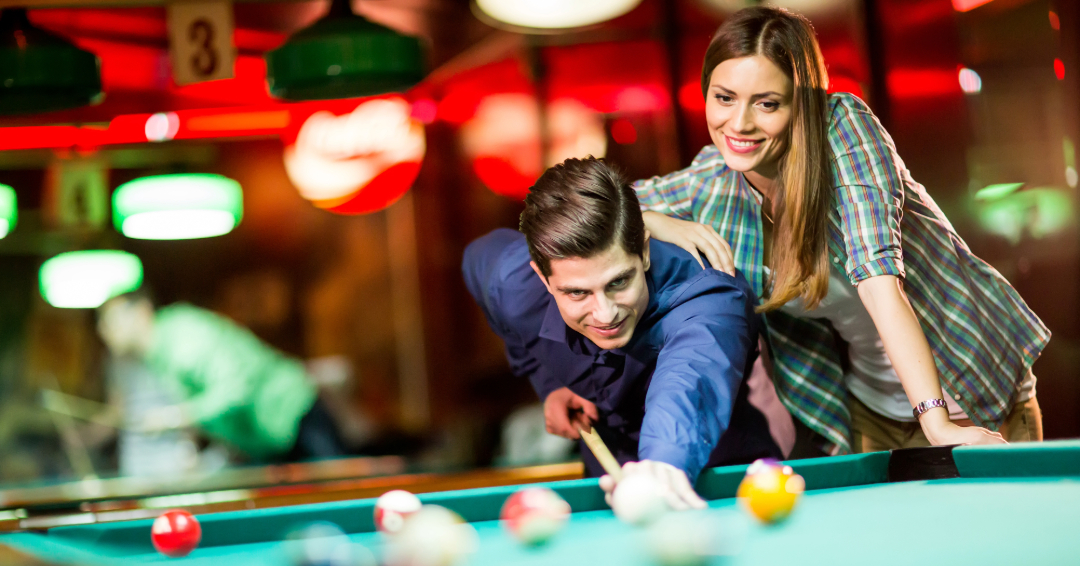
x,y
983,336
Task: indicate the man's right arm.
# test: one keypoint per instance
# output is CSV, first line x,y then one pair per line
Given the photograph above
x,y
497,274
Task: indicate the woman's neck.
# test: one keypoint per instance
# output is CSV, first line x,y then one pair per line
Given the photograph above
x,y
761,183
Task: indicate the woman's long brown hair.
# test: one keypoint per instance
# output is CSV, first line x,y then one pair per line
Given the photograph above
x,y
803,196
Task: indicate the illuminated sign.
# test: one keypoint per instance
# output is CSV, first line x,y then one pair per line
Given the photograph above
x,y
358,163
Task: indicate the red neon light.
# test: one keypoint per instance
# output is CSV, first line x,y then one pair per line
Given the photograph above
x,y
263,120
239,122
690,97
968,5
383,191
843,83
623,132
1059,69
915,83
502,177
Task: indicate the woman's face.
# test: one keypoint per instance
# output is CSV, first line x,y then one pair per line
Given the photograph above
x,y
748,110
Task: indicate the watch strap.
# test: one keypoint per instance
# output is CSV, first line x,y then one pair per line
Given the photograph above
x,y
927,405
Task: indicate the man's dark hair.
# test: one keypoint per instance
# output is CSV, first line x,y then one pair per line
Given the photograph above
x,y
580,208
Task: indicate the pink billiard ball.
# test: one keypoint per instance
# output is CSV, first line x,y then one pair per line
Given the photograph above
x,y
392,508
175,533
535,514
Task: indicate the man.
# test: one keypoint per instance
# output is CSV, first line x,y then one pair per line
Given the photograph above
x,y
615,330
230,384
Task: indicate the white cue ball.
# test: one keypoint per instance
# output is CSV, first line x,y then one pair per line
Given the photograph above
x,y
687,538
434,536
638,500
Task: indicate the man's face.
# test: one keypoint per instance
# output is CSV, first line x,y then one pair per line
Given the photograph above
x,y
124,324
601,297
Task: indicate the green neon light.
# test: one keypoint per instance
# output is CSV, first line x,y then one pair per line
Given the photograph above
x,y
9,212
86,279
995,192
178,207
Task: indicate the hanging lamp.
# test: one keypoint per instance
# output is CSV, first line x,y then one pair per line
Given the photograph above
x,y
41,71
552,14
343,55
177,206
86,279
9,211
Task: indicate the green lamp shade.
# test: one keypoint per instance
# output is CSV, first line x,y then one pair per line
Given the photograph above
x,y
9,212
85,280
40,71
343,55
178,207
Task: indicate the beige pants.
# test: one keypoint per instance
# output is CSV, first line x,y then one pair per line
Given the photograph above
x,y
872,432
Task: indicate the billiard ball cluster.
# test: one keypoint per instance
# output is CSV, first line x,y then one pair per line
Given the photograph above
x,y
430,535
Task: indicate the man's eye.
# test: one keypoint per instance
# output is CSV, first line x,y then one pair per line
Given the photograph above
x,y
618,283
576,294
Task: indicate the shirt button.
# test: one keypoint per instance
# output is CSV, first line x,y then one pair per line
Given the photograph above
x,y
836,260
957,396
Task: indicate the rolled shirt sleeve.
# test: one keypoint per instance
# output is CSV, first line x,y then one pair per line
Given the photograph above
x,y
706,345
869,191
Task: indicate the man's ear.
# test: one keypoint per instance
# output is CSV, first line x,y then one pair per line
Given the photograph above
x,y
540,274
645,252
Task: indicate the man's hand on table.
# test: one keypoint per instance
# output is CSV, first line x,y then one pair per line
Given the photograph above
x,y
674,485
565,412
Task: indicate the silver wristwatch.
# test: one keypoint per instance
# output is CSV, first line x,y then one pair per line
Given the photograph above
x,y
926,406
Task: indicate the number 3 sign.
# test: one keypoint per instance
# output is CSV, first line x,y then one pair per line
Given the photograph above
x,y
200,41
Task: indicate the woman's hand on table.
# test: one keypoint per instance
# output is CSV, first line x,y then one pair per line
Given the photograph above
x,y
565,412
674,485
940,431
695,238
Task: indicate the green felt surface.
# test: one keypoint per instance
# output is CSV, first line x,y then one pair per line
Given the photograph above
x,y
1018,504
1060,457
958,521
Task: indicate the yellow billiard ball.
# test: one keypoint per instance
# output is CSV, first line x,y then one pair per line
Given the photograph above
x,y
770,491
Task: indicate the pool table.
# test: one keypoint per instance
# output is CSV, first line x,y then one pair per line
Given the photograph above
x,y
1016,504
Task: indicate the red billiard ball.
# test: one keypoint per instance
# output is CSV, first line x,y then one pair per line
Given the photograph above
x,y
175,533
534,515
392,508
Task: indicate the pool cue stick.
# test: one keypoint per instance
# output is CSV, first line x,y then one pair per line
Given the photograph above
x,y
82,409
600,451
70,440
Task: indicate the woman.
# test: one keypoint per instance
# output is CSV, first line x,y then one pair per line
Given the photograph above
x,y
834,234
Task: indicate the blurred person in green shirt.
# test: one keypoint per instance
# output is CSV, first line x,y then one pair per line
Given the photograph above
x,y
230,384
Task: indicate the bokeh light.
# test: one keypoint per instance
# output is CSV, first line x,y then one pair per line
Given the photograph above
x,y
86,279
177,207
554,14
9,211
970,81
361,162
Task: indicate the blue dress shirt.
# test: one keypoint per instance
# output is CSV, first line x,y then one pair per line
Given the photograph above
x,y
671,392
